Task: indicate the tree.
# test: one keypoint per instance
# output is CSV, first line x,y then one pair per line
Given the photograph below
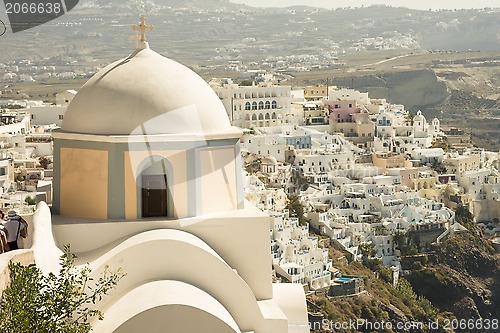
x,y
295,207
44,162
246,83
465,218
53,303
463,215
30,201
441,143
409,119
438,167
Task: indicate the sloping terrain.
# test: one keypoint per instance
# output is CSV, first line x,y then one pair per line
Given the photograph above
x,y
464,278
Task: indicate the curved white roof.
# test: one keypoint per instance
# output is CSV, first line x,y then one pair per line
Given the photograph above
x,y
146,88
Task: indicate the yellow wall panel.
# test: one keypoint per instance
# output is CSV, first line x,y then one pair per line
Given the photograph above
x,y
84,183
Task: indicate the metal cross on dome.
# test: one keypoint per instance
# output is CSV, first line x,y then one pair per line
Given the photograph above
x,y
142,28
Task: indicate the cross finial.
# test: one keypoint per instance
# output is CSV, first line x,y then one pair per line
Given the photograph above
x,y
142,28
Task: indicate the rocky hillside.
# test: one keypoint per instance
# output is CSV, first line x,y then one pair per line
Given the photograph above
x,y
459,279
380,303
463,277
415,89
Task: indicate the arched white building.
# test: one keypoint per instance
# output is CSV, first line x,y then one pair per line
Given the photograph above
x,y
147,177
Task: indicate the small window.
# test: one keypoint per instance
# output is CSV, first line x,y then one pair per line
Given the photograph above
x,y
61,117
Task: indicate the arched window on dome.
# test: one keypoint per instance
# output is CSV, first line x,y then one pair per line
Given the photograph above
x,y
267,116
274,115
261,105
254,106
155,196
248,106
274,105
261,116
268,105
254,117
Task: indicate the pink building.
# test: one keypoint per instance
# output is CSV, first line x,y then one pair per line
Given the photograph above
x,y
343,111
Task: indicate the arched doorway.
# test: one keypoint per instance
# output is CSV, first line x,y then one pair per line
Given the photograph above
x,y
154,191
154,195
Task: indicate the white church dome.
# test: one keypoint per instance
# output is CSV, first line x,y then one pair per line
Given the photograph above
x,y
146,93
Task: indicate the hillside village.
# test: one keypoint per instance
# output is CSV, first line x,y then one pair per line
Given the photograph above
x,y
330,165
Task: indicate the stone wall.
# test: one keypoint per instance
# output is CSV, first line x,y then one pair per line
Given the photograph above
x,y
24,257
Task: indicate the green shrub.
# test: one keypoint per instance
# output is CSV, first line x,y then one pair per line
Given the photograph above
x,y
30,201
53,303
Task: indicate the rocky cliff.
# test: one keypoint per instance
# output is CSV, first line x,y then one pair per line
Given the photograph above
x,y
462,278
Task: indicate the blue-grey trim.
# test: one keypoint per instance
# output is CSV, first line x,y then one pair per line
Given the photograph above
x,y
141,146
239,176
224,142
56,181
116,183
78,144
194,182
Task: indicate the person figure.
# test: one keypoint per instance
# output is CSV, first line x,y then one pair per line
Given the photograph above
x,y
16,226
4,245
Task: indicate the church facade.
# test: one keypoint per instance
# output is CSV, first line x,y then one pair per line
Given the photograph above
x,y
147,177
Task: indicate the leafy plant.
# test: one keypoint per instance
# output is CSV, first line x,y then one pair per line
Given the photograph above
x,y
296,209
30,201
44,162
60,303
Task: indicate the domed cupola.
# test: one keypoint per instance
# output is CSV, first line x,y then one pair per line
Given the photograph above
x,y
146,137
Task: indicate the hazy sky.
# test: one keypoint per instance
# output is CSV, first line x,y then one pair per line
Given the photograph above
x,y
415,4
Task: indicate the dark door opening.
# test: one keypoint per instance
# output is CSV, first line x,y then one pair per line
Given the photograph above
x,y
154,196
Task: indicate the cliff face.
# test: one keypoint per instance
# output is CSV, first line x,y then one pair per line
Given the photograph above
x,y
416,89
463,278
